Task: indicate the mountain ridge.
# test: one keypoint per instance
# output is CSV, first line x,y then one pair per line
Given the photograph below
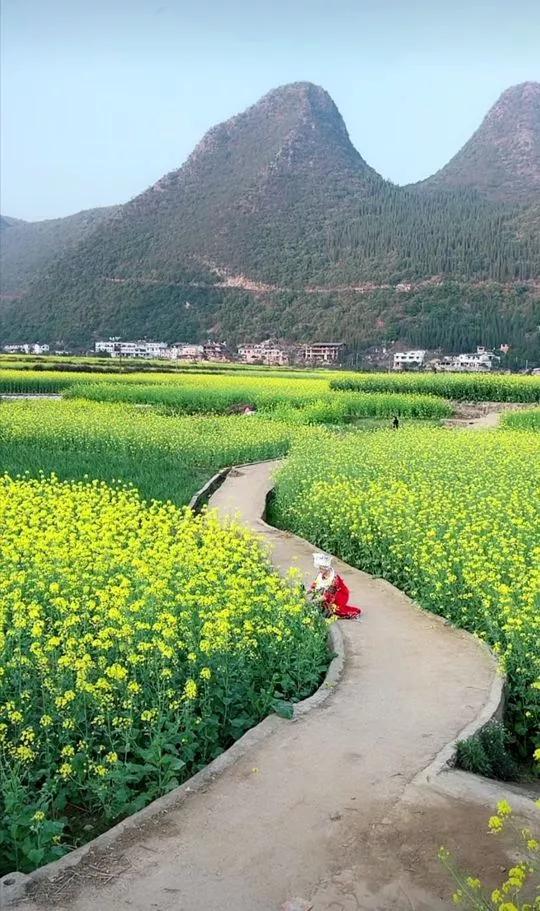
x,y
28,246
502,157
278,196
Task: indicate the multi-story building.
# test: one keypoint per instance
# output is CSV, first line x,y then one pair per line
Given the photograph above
x,y
111,347
115,348
322,353
482,360
215,351
184,351
268,352
35,348
404,359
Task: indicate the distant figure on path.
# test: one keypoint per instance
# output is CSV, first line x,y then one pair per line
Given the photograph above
x,y
332,589
395,422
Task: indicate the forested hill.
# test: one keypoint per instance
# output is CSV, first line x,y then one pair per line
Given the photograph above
x,y
502,159
276,225
28,247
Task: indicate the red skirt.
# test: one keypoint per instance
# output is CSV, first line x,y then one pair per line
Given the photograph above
x,y
337,601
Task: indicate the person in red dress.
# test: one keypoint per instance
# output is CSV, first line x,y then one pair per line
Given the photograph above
x,y
330,586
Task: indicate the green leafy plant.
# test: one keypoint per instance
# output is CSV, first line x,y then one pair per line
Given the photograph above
x,y
520,891
486,753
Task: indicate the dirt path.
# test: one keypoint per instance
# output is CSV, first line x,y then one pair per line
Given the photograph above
x,y
487,421
335,807
480,415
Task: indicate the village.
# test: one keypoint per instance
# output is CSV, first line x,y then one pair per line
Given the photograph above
x,y
274,353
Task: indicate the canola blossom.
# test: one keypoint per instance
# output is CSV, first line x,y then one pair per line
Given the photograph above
x,y
270,387
165,457
474,387
300,399
265,386
137,641
451,517
287,401
528,419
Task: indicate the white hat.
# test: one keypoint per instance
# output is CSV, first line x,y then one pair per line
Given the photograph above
x,y
322,561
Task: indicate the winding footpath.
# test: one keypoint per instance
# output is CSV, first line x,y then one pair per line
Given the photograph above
x,y
343,808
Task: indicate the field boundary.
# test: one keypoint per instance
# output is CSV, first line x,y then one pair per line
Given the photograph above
x,y
492,711
201,497
13,886
493,708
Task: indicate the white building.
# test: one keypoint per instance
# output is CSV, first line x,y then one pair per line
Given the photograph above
x,y
36,348
116,348
269,353
481,361
403,359
185,352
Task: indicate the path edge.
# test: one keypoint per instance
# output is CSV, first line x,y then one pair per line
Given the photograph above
x,y
15,885
493,708
20,883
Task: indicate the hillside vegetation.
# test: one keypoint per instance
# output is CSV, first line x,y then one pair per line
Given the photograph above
x,y
27,247
276,225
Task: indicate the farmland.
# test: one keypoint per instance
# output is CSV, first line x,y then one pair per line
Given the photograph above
x,y
446,518
307,401
280,384
529,419
479,387
139,640
165,458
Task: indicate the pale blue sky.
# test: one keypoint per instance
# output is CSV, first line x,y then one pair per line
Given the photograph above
x,y
102,97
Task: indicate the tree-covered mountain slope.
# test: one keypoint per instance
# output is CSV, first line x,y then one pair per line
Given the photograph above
x,y
502,159
276,225
28,247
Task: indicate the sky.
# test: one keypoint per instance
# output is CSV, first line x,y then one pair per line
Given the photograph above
x,y
100,98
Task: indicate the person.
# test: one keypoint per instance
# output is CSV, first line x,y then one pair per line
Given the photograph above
x,y
331,588
395,422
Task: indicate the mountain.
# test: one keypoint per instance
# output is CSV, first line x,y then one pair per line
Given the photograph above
x,y
27,247
275,225
502,159
246,199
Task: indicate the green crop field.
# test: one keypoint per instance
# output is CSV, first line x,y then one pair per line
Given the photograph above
x,y
299,401
447,517
528,419
474,387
